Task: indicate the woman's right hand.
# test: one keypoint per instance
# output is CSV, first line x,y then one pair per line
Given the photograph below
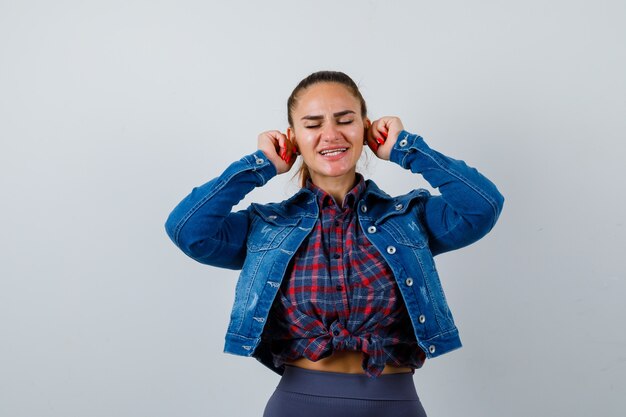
x,y
278,149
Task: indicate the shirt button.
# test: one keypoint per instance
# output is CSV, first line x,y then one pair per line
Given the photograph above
x,y
339,287
422,319
364,208
431,348
336,332
399,206
371,229
403,143
336,256
409,282
391,250
336,222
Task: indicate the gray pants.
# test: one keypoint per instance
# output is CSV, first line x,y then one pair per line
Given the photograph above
x,y
306,393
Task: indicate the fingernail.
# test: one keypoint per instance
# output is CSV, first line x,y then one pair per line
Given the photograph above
x,y
380,141
385,134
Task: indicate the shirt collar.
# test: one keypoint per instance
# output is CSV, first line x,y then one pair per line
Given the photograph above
x,y
325,200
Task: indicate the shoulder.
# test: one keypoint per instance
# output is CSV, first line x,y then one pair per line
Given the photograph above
x,y
289,211
374,193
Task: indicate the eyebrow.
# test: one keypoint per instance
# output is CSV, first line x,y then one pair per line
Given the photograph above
x,y
320,117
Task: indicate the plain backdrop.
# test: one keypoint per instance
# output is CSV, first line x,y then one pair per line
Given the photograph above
x,y
112,111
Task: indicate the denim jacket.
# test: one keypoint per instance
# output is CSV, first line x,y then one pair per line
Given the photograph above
x,y
408,230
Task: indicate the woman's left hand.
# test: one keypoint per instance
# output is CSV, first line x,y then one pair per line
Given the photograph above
x,y
382,135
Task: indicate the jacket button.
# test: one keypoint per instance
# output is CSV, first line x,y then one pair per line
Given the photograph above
x,y
431,348
371,229
391,250
421,319
364,208
403,142
399,206
272,217
259,161
409,282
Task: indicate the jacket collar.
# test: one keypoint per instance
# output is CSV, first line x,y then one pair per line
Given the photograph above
x,y
371,189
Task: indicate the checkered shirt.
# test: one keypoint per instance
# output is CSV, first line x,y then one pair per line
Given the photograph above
x,y
339,294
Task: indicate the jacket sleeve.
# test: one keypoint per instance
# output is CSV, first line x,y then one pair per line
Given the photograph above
x,y
203,225
469,204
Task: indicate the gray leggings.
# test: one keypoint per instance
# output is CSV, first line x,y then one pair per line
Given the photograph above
x,y
306,393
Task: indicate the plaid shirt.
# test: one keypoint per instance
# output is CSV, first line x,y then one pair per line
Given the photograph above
x,y
339,294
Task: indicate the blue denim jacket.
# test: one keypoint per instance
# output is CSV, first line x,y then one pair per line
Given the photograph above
x,y
408,230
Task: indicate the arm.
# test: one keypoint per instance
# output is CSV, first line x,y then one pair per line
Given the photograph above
x,y
469,204
202,224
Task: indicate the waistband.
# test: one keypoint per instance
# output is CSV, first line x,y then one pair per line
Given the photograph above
x,y
360,386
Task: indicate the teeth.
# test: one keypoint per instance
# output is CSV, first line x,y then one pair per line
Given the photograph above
x,y
333,151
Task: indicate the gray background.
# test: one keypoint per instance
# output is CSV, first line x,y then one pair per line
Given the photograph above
x,y
111,111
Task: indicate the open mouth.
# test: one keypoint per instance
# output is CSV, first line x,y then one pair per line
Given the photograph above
x,y
333,152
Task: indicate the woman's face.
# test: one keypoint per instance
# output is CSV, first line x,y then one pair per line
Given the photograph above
x,y
329,130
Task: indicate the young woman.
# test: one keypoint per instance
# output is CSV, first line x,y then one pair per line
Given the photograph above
x,y
338,290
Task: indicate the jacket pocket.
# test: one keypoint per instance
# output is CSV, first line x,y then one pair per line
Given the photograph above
x,y
407,230
268,233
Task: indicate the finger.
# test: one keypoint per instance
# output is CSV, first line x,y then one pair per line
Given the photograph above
x,y
271,136
288,151
372,143
379,130
279,143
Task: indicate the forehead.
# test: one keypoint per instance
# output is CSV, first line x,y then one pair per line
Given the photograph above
x,y
326,97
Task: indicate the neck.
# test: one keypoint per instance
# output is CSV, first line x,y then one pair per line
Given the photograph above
x,y
337,187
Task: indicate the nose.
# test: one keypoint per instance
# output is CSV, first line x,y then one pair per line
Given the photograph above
x,y
330,132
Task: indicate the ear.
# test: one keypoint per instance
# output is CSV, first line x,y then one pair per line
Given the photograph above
x,y
367,123
292,138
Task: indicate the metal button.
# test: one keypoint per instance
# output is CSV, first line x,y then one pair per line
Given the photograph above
x,y
259,161
272,217
364,208
403,142
371,229
421,319
399,206
409,282
391,250
431,348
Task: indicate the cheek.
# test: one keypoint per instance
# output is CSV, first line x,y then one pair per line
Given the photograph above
x,y
305,147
